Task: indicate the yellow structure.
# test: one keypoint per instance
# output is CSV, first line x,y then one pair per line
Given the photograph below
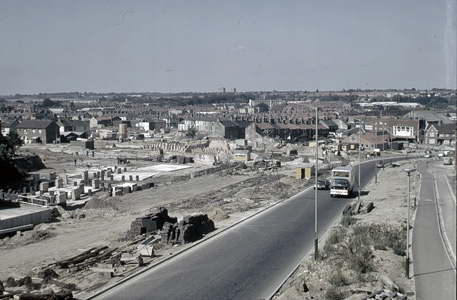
x,y
242,155
304,171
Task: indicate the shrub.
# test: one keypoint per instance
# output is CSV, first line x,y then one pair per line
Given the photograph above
x,y
357,254
333,293
399,247
348,220
338,279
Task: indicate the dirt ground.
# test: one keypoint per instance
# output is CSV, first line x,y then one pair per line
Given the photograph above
x,y
226,197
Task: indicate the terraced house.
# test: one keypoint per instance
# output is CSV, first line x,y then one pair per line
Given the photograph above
x,y
38,131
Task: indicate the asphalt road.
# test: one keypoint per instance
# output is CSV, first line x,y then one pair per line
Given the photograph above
x,y
435,276
248,261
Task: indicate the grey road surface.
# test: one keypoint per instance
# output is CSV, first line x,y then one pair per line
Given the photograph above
x,y
248,261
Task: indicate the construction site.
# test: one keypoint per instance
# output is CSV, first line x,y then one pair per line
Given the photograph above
x,y
93,217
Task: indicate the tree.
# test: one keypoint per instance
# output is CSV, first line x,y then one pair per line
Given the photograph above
x,y
9,145
47,103
192,131
263,107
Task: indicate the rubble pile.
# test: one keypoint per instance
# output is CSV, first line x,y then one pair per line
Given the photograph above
x,y
149,223
190,229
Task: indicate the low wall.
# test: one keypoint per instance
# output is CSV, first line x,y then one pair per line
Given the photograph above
x,y
33,218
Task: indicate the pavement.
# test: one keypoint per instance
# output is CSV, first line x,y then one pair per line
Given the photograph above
x,y
434,269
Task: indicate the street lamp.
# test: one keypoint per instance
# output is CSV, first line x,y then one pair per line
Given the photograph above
x,y
360,159
409,171
375,153
316,251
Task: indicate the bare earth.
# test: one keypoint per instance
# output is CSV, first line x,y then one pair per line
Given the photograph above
x,y
226,197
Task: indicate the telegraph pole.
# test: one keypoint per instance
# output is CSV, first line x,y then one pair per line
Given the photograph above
x,y
316,250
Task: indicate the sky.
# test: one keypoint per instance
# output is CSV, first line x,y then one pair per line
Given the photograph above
x,y
200,46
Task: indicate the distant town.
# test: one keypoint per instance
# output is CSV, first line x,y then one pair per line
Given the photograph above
x,y
407,115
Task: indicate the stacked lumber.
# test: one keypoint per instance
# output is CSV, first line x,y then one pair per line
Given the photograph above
x,y
26,289
86,259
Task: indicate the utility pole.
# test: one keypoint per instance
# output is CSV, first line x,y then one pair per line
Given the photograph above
x,y
376,153
409,171
316,250
360,157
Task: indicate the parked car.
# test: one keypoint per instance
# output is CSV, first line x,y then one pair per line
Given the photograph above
x,y
322,184
379,164
447,161
427,155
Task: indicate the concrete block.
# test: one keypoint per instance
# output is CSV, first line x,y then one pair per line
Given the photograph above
x,y
44,186
137,177
36,179
95,184
126,190
130,177
52,176
62,197
59,183
76,194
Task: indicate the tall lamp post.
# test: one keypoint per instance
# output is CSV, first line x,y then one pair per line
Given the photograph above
x,y
409,171
316,251
360,157
375,160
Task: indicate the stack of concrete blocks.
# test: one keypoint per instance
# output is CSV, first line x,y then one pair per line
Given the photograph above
x,y
77,191
44,186
59,183
117,191
85,176
95,184
52,197
126,189
190,229
61,198
149,223
36,179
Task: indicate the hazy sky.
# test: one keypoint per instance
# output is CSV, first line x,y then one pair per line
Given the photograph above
x,y
200,46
